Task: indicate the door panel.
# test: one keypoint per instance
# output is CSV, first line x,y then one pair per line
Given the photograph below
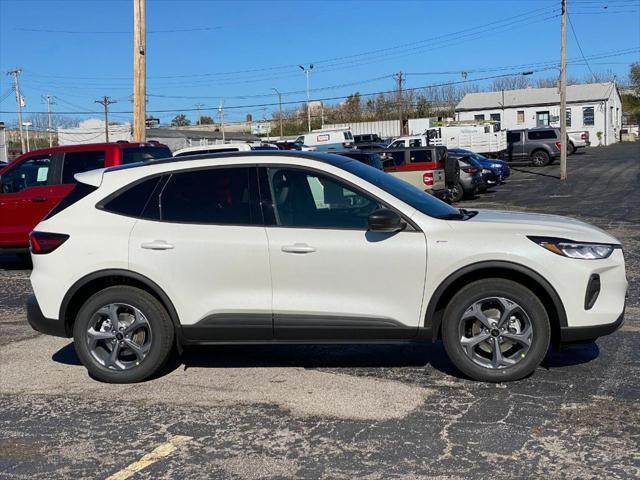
x,y
333,279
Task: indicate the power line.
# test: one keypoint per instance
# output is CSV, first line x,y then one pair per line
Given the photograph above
x,y
575,37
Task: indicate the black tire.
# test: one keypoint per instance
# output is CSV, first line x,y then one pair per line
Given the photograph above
x,y
515,292
540,158
162,334
457,192
572,148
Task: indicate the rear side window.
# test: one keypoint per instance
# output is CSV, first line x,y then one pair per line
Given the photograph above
x,y
513,137
78,162
542,135
80,190
219,196
144,154
132,201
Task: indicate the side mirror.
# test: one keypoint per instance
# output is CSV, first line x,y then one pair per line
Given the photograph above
x,y
385,220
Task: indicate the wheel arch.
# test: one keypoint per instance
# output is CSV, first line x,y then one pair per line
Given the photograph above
x,y
90,284
496,269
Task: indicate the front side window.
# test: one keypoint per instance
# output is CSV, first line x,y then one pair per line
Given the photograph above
x,y
307,199
397,144
33,172
219,196
415,142
78,162
587,116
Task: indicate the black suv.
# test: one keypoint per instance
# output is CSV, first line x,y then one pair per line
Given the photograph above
x,y
541,146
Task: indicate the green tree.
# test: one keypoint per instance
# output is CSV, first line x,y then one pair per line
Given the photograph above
x,y
180,120
634,77
205,120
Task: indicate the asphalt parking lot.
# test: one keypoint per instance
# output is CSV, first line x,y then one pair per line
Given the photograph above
x,y
375,412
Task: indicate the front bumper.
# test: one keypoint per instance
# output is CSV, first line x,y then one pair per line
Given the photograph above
x,y
590,333
42,324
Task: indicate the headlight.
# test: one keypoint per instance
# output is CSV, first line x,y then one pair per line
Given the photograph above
x,y
496,165
567,248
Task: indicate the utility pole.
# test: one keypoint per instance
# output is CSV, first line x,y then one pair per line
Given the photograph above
x,y
139,70
563,92
307,71
198,108
221,111
105,102
279,110
49,100
400,78
16,86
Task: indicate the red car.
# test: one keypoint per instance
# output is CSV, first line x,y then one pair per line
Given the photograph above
x,y
37,181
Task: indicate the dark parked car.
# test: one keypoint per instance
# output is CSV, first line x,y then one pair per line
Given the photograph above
x,y
368,141
541,146
369,158
499,168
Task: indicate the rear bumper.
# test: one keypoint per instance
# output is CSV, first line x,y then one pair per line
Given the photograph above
x,y
40,323
590,333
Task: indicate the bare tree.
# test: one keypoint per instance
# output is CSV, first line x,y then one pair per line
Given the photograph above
x,y
514,82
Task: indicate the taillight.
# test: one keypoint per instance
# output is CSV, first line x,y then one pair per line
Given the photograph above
x,y
427,179
43,242
469,169
558,145
584,136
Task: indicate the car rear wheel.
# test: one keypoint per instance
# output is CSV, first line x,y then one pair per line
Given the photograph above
x,y
572,148
496,330
540,158
122,335
457,192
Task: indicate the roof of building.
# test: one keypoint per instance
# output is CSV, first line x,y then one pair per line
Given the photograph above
x,y
587,92
198,134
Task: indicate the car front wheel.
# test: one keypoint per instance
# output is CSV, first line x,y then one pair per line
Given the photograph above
x,y
496,330
123,335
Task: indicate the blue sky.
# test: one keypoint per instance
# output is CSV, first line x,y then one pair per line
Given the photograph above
x,y
80,50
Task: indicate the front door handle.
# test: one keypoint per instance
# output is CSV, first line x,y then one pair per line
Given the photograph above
x,y
157,245
298,248
38,199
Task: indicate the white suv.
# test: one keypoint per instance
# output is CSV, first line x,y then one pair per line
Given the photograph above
x,y
273,247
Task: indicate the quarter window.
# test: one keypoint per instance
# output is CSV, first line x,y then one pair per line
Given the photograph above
x,y
133,200
587,116
218,196
78,162
308,199
33,172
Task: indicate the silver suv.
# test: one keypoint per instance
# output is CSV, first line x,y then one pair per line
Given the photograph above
x,y
541,146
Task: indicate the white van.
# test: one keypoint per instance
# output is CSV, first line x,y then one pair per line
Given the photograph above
x,y
322,140
222,148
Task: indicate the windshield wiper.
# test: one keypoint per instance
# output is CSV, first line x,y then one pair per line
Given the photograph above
x,y
462,214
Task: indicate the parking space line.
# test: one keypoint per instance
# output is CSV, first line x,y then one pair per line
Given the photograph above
x,y
150,458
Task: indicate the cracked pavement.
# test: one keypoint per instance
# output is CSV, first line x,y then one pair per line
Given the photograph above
x,y
347,411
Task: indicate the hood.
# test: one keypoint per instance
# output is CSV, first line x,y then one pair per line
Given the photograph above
x,y
542,225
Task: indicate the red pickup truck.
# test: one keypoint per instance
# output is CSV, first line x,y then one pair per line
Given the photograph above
x,y
37,181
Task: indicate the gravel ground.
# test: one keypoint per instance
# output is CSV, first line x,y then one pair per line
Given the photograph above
x,y
375,412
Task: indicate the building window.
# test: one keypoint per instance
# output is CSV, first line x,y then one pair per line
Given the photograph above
x,y
479,118
587,116
568,117
611,116
542,119
520,119
495,117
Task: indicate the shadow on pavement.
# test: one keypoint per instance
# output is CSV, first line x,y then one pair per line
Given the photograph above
x,y
15,262
533,171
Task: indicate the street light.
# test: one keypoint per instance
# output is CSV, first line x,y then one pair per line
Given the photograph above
x,y
307,71
27,125
279,109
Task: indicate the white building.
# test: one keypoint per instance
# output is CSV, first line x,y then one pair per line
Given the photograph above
x,y
92,131
595,107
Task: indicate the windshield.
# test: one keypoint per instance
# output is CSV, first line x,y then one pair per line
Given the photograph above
x,y
421,201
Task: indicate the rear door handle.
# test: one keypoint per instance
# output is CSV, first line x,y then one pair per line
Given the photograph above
x,y
298,248
157,245
38,199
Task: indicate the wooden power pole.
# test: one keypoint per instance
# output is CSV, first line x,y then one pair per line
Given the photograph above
x,y
16,87
563,92
139,70
105,102
400,78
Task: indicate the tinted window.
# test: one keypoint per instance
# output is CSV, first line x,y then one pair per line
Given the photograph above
x,y
33,172
513,137
308,199
78,162
587,116
144,154
415,142
420,156
397,144
541,134
131,202
80,190
214,196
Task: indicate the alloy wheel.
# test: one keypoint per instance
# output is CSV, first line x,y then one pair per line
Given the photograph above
x,y
495,332
119,336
